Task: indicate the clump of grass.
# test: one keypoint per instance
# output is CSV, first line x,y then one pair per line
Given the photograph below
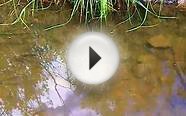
x,y
22,9
88,10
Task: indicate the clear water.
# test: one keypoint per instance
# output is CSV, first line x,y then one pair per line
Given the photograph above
x,y
34,79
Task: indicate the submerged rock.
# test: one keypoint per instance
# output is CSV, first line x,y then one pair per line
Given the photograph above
x,y
159,41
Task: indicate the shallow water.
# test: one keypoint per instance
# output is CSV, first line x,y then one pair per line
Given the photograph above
x,y
151,79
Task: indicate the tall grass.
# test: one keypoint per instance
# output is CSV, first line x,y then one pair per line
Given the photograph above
x,y
88,10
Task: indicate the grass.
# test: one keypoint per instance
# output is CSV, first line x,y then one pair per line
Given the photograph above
x,y
88,10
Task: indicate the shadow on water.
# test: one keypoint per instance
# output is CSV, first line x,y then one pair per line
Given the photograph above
x,y
34,79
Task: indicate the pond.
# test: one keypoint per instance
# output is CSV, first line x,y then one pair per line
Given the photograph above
x,y
34,78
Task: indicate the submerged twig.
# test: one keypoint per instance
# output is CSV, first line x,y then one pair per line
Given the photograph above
x,y
5,3
177,69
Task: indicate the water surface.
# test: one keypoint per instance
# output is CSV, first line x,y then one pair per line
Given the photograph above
x,y
34,79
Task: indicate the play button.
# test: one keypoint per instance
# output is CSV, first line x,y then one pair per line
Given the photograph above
x,y
92,58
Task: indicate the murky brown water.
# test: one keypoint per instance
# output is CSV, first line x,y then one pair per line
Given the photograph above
x,y
34,80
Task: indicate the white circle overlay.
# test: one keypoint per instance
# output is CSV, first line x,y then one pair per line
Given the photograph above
x,y
78,58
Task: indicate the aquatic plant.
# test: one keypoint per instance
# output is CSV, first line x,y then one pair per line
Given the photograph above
x,y
88,10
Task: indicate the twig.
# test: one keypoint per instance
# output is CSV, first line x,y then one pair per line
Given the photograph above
x,y
177,69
